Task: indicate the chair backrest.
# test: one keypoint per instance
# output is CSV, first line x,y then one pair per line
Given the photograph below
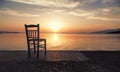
x,y
32,31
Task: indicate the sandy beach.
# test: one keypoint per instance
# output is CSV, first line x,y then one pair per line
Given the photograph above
x,y
60,61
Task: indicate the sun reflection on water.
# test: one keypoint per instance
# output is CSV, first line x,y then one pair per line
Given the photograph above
x,y
55,41
55,36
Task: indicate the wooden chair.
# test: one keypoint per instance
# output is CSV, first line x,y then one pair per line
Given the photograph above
x,y
34,40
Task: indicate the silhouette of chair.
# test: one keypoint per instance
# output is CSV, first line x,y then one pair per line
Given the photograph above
x,y
34,42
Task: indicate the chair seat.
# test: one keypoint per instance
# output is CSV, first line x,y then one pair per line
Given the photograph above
x,y
40,40
34,39
41,45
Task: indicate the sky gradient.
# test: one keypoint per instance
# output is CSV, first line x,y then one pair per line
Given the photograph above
x,y
60,15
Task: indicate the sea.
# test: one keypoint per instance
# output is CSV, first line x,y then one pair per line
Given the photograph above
x,y
72,42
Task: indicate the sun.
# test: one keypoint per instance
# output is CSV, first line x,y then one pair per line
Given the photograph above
x,y
55,26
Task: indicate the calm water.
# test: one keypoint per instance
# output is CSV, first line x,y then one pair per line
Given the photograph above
x,y
78,42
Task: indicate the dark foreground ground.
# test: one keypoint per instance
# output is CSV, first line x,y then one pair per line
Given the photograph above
x,y
62,61
109,61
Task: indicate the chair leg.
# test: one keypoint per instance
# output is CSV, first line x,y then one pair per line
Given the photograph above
x,y
34,47
38,49
29,50
45,48
37,52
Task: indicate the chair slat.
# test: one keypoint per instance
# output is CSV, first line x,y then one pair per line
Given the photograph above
x,y
32,33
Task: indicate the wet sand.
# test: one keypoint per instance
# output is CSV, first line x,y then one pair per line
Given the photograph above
x,y
60,61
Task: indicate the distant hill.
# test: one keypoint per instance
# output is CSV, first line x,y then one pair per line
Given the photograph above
x,y
112,31
7,32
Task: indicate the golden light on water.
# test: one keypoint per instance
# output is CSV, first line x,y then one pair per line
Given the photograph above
x,y
55,36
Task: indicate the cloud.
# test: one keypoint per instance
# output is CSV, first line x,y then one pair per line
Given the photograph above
x,y
36,7
50,3
107,1
89,9
15,13
110,3
79,12
109,14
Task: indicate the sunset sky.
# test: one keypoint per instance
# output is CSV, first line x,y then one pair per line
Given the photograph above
x,y
60,15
